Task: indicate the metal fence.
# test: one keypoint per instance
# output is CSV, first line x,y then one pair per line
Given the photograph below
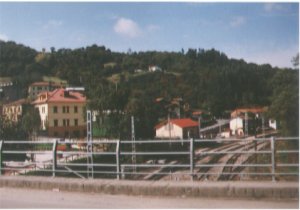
x,y
274,158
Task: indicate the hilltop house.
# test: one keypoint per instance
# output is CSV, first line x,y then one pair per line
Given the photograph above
x,y
154,68
38,87
61,113
177,129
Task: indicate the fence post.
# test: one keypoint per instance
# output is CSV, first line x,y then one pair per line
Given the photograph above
x,y
1,146
273,158
54,151
192,158
118,159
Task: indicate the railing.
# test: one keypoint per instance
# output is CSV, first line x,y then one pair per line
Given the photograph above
x,y
191,159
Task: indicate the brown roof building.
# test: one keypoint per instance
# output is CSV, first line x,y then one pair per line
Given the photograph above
x,y
39,87
62,113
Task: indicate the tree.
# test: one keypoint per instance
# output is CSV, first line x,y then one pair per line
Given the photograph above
x,y
31,121
285,102
10,132
295,61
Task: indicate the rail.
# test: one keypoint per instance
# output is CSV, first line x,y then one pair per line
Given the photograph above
x,y
274,158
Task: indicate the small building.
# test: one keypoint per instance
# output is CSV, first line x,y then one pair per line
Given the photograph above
x,y
237,126
247,121
273,124
154,68
177,129
62,113
38,87
13,111
138,71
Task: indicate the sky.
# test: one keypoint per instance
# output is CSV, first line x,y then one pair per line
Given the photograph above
x,y
256,32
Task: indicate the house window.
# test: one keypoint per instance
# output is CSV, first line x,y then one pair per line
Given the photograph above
x,y
55,122
65,109
55,109
66,122
43,109
76,122
75,109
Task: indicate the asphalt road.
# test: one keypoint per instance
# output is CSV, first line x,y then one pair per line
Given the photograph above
x,y
27,198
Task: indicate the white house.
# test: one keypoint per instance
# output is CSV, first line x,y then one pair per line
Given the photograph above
x,y
236,126
273,124
239,125
154,68
177,129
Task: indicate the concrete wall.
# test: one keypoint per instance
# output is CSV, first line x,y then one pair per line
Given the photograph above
x,y
233,190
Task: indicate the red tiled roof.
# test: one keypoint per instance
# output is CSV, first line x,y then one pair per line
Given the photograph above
x,y
18,102
183,123
253,110
60,95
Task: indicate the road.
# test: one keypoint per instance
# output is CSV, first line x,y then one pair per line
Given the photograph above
x,y
27,198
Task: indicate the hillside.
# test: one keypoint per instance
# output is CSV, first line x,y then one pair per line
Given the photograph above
x,y
204,79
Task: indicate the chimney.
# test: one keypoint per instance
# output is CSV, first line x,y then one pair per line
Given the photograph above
x,y
66,93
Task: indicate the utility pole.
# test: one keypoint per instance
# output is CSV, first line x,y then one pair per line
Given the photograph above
x,y
263,125
199,126
133,158
169,125
246,124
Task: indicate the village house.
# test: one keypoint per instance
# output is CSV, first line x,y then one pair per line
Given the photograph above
x,y
38,87
246,121
153,68
13,111
177,129
62,113
273,124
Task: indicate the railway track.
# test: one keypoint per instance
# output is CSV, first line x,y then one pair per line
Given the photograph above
x,y
211,172
213,165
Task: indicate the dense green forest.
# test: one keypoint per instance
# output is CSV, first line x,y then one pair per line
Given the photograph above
x,y
204,79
